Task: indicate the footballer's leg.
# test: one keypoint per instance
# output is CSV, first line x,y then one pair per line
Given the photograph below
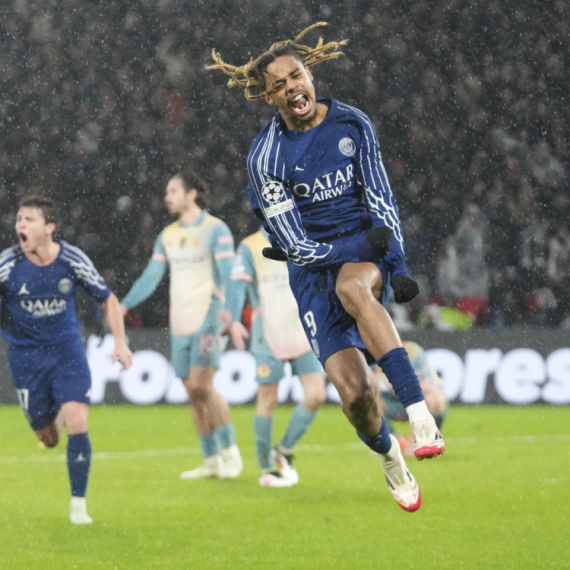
x,y
392,411
438,405
75,415
34,391
310,374
263,429
359,286
206,409
206,355
359,393
49,435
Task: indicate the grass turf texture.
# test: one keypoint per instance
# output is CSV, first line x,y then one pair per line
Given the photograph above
x,y
498,499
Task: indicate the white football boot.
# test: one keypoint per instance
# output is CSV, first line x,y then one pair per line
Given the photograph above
x,y
401,482
233,464
213,468
429,442
78,511
285,462
274,478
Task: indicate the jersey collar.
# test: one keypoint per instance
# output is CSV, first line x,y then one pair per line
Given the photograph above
x,y
197,222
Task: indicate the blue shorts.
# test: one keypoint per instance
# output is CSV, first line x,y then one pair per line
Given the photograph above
x,y
270,370
48,376
327,325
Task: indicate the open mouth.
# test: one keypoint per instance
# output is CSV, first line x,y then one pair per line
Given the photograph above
x,y
23,238
300,104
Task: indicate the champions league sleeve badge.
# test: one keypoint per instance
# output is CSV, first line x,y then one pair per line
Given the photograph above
x,y
272,191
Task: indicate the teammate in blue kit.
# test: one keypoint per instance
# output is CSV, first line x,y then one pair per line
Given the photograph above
x,y
318,181
199,250
38,281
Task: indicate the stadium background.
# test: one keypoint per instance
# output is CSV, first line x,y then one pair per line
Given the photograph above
x,y
103,102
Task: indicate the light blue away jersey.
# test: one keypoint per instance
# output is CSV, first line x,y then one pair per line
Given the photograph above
x,y
38,304
313,187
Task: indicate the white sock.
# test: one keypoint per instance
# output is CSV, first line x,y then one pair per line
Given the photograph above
x,y
418,412
78,502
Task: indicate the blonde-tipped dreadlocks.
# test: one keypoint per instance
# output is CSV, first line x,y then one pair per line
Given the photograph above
x,y
250,75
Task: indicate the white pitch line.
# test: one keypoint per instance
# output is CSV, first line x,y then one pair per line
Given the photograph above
x,y
46,456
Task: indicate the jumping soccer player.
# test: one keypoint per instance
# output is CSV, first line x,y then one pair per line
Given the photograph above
x,y
277,336
38,281
432,388
199,250
317,179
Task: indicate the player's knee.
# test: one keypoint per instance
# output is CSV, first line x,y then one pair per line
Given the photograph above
x,y
353,295
359,401
314,399
436,402
197,392
76,425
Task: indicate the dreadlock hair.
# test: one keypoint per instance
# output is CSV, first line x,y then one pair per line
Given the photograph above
x,y
192,181
250,75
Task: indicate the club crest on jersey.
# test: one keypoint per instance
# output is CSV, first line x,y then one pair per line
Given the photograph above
x,y
347,146
272,191
263,371
64,285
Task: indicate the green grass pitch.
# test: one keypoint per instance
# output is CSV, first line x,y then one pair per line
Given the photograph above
x,y
499,498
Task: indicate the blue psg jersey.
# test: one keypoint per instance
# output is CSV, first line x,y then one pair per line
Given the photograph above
x,y
316,186
38,305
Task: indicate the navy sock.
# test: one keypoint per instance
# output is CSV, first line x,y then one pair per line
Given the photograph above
x,y
380,443
398,369
78,463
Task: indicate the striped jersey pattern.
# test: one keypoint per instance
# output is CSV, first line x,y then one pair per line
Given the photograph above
x,y
317,186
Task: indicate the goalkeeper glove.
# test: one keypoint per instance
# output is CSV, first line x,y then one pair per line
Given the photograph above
x,y
405,288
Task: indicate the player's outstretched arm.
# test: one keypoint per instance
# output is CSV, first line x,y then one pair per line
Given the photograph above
x,y
145,285
114,317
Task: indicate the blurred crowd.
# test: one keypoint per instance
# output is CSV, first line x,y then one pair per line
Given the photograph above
x,y
103,101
